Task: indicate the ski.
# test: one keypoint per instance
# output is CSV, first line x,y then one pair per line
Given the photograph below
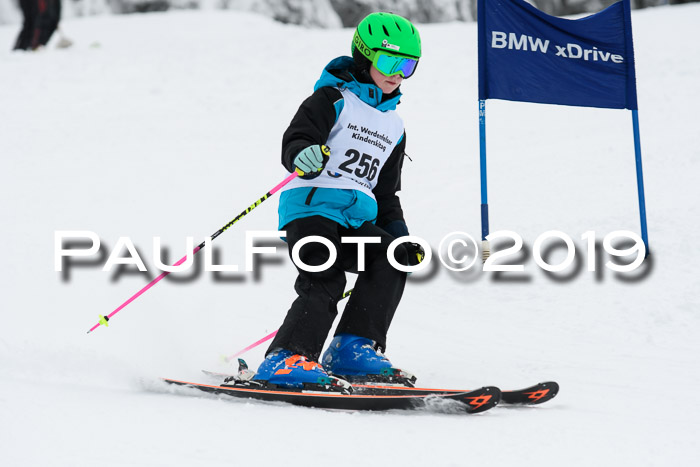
x,y
330,397
532,395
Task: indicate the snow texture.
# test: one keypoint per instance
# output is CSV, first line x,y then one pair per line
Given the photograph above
x,y
170,124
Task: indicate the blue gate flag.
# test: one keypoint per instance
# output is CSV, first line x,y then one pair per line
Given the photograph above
x,y
527,55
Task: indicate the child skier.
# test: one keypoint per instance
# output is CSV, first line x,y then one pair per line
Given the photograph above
x,y
347,192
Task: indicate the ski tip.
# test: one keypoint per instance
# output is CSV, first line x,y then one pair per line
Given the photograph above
x,y
553,389
481,400
543,392
537,394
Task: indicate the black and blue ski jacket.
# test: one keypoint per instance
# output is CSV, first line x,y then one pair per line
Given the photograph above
x,y
312,125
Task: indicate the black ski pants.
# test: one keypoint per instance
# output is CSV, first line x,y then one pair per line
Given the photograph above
x,y
374,298
41,18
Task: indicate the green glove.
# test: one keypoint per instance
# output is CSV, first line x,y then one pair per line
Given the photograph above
x,y
312,160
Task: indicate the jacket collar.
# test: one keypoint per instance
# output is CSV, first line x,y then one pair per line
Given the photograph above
x,y
337,74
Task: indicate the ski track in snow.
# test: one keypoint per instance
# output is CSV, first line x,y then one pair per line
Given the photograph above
x,y
170,125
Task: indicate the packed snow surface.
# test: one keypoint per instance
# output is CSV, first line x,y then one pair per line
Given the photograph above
x,y
170,125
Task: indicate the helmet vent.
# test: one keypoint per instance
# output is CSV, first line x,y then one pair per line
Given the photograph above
x,y
369,27
385,31
397,26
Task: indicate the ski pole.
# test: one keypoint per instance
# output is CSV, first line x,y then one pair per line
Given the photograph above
x,y
268,337
251,346
105,319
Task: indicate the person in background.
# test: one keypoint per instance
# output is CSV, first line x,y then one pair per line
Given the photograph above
x,y
41,18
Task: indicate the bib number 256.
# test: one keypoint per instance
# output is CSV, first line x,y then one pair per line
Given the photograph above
x,y
362,165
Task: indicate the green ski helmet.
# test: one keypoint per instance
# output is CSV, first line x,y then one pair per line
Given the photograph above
x,y
387,41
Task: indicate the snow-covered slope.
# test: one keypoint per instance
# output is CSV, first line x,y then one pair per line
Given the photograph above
x,y
170,125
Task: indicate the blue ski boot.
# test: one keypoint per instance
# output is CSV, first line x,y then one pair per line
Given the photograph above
x,y
357,359
281,368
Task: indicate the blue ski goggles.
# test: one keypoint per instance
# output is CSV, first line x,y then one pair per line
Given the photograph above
x,y
390,65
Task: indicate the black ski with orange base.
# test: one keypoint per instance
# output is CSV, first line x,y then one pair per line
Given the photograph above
x,y
537,394
475,401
